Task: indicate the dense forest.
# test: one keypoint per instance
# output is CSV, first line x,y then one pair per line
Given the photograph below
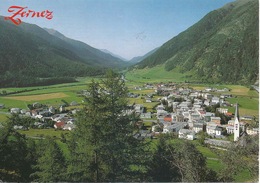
x,y
221,47
104,148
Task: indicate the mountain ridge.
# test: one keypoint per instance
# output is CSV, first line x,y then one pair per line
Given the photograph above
x,y
224,40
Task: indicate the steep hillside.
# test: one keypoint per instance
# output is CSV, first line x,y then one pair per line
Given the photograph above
x,y
221,47
29,56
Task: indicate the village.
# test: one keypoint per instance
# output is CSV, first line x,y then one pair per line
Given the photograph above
x,y
181,111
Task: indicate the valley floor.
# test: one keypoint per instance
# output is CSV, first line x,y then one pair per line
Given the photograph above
x,y
57,95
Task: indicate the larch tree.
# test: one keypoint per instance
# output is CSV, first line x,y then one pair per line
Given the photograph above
x,y
103,142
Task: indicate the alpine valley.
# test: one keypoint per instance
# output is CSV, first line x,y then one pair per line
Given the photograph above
x,y
186,111
221,48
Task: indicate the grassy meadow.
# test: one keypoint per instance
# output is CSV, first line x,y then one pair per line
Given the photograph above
x,y
156,74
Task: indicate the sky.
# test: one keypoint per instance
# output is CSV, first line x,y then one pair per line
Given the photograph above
x,y
128,28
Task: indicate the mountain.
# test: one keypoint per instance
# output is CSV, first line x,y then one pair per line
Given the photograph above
x,y
140,58
88,53
221,47
114,55
30,55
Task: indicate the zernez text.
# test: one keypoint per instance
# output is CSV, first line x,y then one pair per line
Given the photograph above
x,y
19,12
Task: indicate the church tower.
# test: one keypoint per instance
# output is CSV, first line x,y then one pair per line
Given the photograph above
x,y
236,125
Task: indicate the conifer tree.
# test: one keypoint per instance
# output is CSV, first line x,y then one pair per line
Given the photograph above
x,y
191,164
50,165
160,167
15,162
103,141
85,163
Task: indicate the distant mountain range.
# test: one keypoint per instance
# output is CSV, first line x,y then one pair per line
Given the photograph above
x,y
140,58
31,55
113,54
221,47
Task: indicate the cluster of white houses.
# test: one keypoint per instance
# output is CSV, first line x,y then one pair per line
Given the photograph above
x,y
188,116
58,116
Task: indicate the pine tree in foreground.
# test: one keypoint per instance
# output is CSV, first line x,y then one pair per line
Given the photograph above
x,y
103,146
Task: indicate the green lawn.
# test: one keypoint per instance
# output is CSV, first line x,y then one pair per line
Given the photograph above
x,y
214,164
247,105
207,152
245,102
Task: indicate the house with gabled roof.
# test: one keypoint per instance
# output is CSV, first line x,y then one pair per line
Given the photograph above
x,y
213,129
197,127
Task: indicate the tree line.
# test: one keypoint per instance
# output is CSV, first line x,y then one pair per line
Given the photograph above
x,y
104,148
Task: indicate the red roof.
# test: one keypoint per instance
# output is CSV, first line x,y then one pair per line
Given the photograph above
x,y
59,124
167,118
229,114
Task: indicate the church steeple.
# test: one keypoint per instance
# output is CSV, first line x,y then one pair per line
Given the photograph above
x,y
237,112
236,124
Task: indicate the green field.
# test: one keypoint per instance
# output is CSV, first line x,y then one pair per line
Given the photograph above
x,y
156,74
49,95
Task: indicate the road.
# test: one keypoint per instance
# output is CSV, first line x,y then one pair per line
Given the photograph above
x,y
256,88
7,113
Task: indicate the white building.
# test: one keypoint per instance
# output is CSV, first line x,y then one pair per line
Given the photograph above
x,y
186,134
213,129
222,110
139,108
215,100
15,110
253,131
175,127
230,129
